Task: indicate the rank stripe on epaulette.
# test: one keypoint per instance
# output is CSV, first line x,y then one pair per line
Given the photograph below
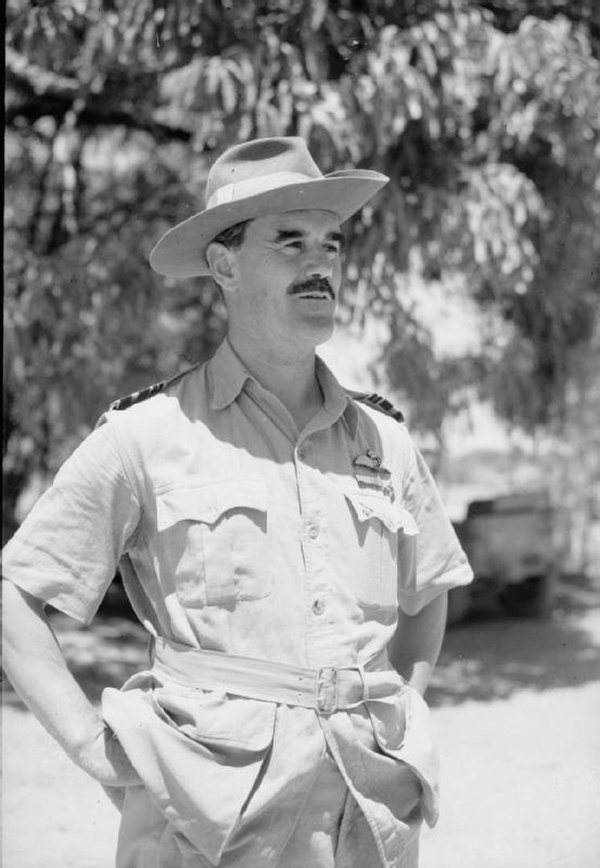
x,y
372,399
148,392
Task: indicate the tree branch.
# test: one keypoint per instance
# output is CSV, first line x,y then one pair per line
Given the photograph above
x,y
94,116
31,79
38,92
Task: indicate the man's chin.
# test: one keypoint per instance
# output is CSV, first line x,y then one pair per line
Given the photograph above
x,y
322,332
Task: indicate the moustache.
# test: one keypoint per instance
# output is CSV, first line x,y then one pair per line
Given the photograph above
x,y
314,284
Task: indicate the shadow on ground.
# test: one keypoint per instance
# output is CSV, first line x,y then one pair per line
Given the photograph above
x,y
491,658
485,659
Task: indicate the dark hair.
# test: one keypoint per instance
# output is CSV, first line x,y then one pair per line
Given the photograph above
x,y
233,236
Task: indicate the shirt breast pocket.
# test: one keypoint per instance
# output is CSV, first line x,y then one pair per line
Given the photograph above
x,y
379,526
213,541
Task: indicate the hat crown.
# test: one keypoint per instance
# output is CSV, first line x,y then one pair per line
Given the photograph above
x,y
249,180
261,157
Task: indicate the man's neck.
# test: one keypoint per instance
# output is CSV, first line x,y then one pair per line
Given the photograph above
x,y
292,380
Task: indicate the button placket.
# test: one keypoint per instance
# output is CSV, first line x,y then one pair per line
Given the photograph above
x,y
318,622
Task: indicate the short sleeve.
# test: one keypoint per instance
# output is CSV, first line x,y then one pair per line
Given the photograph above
x,y
432,561
67,549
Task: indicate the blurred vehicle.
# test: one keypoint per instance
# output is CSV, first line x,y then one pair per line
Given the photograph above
x,y
509,543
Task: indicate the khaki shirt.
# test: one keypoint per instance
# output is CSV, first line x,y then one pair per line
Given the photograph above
x,y
241,534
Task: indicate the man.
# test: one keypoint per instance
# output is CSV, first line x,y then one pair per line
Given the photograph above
x,y
283,544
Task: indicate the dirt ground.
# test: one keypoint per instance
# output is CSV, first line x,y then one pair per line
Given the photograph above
x,y
516,706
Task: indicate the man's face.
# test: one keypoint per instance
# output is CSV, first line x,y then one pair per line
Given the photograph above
x,y
287,280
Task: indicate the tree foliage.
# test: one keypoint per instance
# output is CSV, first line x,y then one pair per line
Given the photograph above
x,y
485,115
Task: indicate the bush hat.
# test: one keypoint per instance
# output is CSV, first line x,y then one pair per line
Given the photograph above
x,y
254,179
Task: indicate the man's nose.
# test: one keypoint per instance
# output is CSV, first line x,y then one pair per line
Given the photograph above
x,y
319,263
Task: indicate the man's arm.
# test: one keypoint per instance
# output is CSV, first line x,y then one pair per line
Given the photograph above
x,y
38,672
415,646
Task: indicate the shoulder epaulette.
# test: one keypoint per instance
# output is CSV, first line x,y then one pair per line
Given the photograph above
x,y
148,392
372,399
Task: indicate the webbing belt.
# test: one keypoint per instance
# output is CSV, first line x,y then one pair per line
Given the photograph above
x,y
326,690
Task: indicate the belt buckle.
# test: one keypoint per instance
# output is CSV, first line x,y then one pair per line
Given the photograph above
x,y
327,690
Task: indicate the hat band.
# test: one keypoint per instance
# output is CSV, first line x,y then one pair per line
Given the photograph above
x,y
255,186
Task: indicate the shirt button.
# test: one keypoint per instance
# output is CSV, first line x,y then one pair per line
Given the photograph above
x,y
301,453
318,607
313,532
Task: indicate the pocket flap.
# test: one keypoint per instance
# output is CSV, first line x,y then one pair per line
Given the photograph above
x,y
207,502
214,719
368,505
402,729
183,775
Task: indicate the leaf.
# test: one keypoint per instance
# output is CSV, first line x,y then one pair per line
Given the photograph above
x,y
228,91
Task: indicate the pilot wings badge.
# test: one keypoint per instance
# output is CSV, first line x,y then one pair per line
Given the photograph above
x,y
370,461
371,472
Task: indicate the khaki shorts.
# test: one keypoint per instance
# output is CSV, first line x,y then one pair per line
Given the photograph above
x,y
330,830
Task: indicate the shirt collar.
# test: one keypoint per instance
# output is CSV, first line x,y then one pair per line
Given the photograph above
x,y
228,376
336,401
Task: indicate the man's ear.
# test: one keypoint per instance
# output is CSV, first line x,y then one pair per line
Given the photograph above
x,y
222,261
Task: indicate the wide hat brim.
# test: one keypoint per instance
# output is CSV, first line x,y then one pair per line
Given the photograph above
x,y
181,251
